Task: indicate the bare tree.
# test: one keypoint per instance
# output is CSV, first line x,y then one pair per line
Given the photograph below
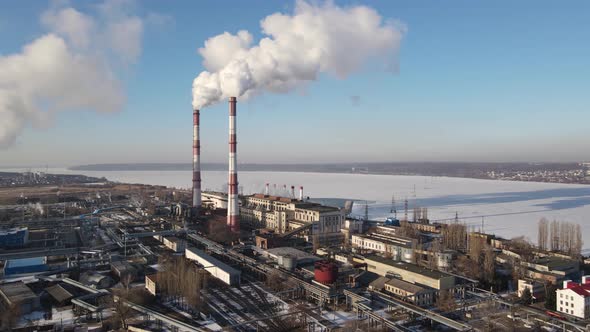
x,y
275,280
455,236
476,246
9,316
566,238
543,233
554,235
315,241
446,301
489,265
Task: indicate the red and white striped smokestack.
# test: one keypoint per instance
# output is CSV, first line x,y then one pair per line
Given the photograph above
x,y
196,164
301,193
233,208
293,191
266,189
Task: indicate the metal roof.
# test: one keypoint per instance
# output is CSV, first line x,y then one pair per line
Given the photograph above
x,y
20,262
17,292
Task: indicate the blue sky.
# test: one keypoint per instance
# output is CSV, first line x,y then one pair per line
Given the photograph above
x,y
477,81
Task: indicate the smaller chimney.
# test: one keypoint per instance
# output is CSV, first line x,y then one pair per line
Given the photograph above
x,y
566,283
586,280
266,189
301,193
292,191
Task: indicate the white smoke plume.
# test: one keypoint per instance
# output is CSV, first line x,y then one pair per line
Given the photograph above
x,y
37,207
316,38
71,67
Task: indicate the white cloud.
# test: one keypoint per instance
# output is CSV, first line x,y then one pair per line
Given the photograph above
x,y
68,69
72,24
124,37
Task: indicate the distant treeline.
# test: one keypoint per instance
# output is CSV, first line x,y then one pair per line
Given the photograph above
x,y
454,169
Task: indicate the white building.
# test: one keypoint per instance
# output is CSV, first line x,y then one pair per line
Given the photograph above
x,y
574,298
285,214
215,200
218,269
398,247
537,289
173,243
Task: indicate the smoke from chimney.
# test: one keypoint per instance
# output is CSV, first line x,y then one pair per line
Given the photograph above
x,y
233,208
296,49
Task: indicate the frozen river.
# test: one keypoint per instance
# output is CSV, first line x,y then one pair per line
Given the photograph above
x,y
508,208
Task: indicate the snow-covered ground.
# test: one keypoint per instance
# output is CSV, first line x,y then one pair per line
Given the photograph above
x,y
508,208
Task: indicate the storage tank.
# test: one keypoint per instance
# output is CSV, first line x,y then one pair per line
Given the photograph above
x,y
325,272
289,262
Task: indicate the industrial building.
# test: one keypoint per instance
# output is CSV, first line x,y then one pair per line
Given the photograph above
x,y
14,238
18,294
173,243
398,247
409,292
96,280
289,257
60,294
552,269
218,269
214,200
122,269
25,265
574,298
151,283
537,289
284,214
410,272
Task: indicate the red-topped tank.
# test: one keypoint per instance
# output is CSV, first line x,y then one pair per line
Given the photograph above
x,y
325,272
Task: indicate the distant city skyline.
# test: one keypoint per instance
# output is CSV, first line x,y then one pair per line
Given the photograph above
x,y
497,81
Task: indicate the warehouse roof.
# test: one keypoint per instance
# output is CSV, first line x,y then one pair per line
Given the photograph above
x,y
289,251
59,293
17,292
405,286
409,267
214,261
21,262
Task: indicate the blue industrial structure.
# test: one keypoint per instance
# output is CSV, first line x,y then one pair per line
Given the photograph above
x,y
25,265
391,222
14,238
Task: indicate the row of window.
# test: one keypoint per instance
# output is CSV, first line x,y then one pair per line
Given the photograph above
x,y
566,304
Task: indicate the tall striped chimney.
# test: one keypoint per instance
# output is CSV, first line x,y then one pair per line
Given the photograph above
x,y
301,193
233,208
196,165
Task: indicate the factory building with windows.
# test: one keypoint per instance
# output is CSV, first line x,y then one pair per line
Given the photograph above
x,y
399,248
284,214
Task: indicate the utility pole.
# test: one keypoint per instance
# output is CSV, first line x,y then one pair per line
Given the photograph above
x,y
393,209
406,209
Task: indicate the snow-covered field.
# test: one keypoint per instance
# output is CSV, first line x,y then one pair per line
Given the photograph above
x,y
508,208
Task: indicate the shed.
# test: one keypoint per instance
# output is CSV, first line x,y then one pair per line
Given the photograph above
x,y
18,294
59,294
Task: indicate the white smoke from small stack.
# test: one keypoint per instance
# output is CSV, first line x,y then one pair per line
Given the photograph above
x,y
297,48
